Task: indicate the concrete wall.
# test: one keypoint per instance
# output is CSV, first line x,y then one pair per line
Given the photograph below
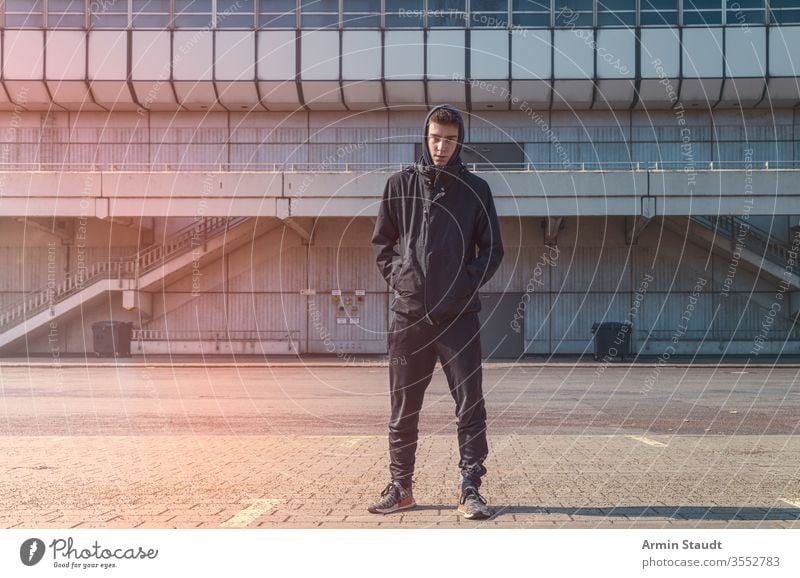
x,y
592,276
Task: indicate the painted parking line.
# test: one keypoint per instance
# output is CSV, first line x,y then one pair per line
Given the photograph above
x,y
795,503
648,441
246,516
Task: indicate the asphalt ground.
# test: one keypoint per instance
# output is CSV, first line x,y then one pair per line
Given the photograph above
x,y
302,443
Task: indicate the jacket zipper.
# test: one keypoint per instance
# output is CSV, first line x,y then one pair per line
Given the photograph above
x,y
426,210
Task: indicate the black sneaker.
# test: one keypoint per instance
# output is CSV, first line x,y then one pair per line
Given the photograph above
x,y
473,505
393,498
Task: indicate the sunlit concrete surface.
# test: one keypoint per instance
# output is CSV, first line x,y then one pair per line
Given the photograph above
x,y
163,447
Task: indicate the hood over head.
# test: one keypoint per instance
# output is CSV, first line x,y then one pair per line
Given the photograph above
x,y
455,161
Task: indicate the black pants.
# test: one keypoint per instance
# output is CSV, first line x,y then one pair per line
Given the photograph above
x,y
413,349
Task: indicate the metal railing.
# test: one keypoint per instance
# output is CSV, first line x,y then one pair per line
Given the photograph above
x,y
524,166
753,238
131,267
212,335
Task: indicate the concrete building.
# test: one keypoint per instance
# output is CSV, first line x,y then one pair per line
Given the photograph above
x,y
210,169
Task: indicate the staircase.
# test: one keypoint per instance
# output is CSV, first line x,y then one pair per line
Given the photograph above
x,y
759,241
760,250
139,271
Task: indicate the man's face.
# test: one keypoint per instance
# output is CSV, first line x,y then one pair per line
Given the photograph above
x,y
442,142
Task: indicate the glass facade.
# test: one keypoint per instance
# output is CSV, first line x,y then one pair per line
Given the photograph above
x,y
616,12
702,12
335,14
277,14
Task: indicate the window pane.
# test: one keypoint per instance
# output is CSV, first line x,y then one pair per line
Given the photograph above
x,y
530,5
702,18
109,14
273,6
278,21
616,19
320,21
658,19
24,13
745,17
489,20
447,19
404,21
320,6
362,6
362,21
488,6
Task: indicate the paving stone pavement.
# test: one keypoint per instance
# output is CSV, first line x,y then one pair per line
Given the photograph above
x,y
534,481
586,446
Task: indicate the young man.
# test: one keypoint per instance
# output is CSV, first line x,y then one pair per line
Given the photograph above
x,y
442,218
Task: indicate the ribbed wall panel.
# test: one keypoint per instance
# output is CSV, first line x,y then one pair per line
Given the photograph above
x,y
26,268
284,272
366,323
200,135
248,135
673,152
677,267
676,314
182,312
334,134
365,155
267,154
108,134
345,269
530,272
575,314
591,152
754,152
537,316
591,269
268,312
190,154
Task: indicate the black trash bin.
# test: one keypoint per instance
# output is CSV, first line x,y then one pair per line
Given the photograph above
x,y
612,339
112,338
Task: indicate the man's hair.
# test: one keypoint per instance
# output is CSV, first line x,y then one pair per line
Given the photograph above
x,y
444,116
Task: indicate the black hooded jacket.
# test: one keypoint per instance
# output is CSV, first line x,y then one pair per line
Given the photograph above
x,y
444,221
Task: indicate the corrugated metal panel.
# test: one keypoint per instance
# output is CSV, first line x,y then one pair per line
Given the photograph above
x,y
574,314
591,152
401,154
122,156
361,134
671,133
268,312
530,271
200,135
699,153
588,269
676,314
537,316
344,268
592,134
9,298
367,322
742,310
761,151
26,268
244,154
754,132
359,155
282,271
24,154
676,270
109,135
176,154
276,135
539,153
184,312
